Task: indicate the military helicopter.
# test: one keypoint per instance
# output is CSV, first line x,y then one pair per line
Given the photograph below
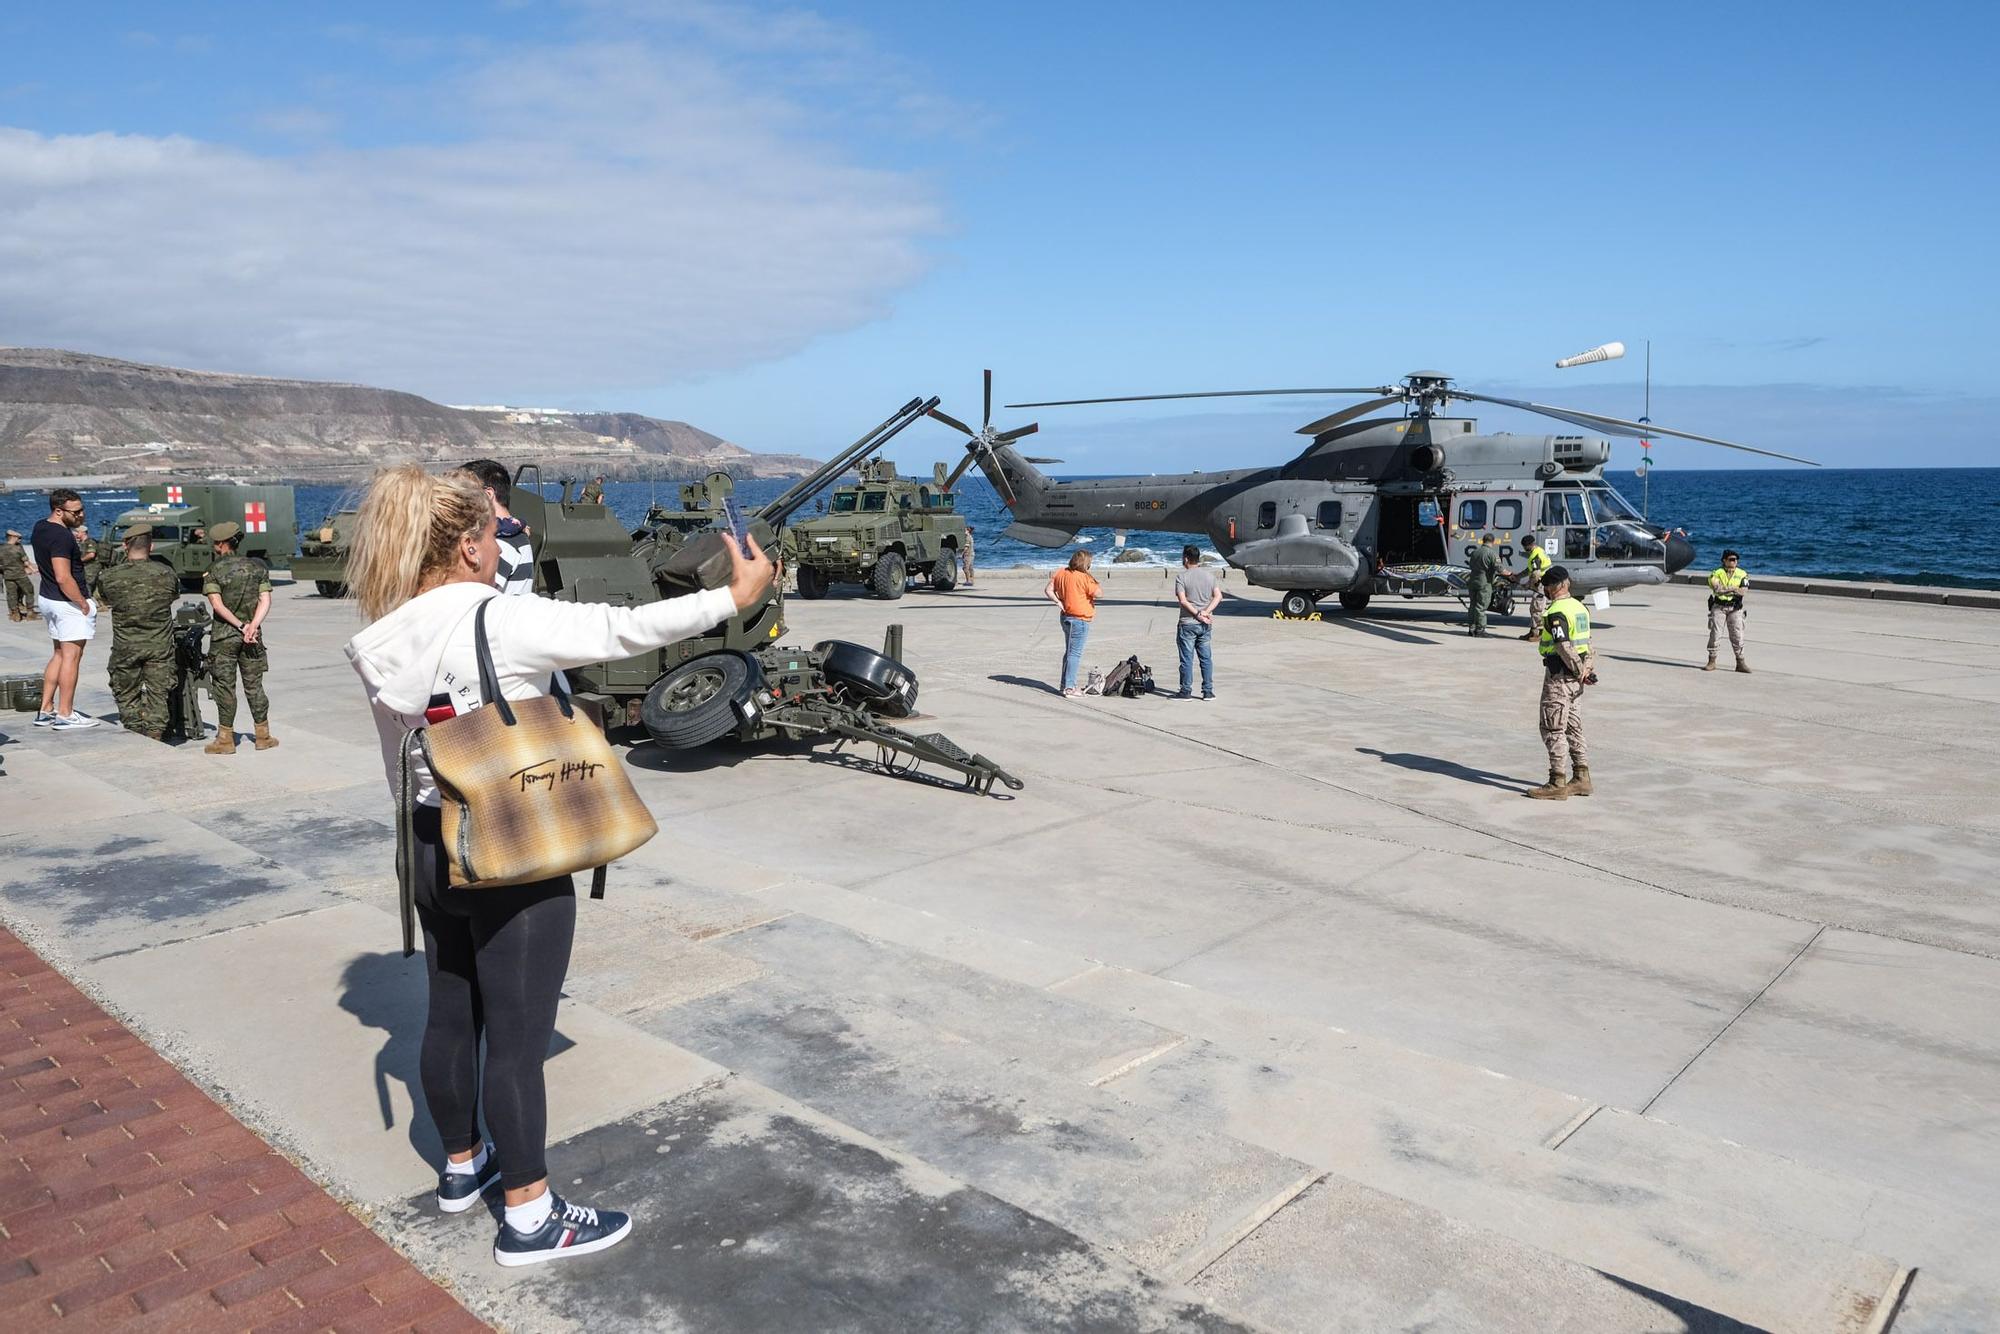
x,y
1373,504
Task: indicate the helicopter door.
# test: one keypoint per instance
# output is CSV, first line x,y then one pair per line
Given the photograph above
x,y
1501,513
1565,524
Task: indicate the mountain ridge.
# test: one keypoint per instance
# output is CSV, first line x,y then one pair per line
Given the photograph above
x,y
78,412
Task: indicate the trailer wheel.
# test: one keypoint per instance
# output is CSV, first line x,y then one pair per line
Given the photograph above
x,y
695,703
891,577
944,573
812,584
1354,599
1298,604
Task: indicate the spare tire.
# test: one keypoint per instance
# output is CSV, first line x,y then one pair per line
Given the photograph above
x,y
695,703
886,686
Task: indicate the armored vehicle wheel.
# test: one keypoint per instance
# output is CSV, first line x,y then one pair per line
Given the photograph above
x,y
329,589
891,577
885,685
1298,603
812,584
1354,599
944,574
695,703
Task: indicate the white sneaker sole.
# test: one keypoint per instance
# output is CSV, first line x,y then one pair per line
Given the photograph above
x,y
460,1206
515,1259
77,726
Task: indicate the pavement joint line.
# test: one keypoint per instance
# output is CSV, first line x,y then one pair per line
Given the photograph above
x,y
739,930
1061,982
1194,1263
1576,1123
211,935
1891,1303
1137,1061
1775,978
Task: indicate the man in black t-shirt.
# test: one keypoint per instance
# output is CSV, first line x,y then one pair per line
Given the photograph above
x,y
70,615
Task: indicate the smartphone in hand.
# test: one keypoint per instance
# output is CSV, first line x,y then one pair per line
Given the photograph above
x,y
732,515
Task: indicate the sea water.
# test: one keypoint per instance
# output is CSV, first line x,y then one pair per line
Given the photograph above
x,y
1894,525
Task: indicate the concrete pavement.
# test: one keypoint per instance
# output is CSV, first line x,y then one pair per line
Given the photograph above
x,y
1280,1011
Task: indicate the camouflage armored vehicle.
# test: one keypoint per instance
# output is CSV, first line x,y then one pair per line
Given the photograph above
x,y
322,554
700,510
880,531
181,515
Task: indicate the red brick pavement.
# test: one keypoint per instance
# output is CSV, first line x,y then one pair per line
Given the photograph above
x,y
127,1196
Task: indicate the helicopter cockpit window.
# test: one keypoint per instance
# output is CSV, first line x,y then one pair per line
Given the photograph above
x,y
1610,505
1267,514
844,502
1471,514
1507,514
875,502
1628,542
1561,508
1329,514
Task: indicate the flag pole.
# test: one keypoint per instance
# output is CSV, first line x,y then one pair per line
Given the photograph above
x,y
1646,482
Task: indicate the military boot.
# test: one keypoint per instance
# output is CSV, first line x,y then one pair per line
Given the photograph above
x,y
1556,789
1743,666
1579,782
224,743
1711,664
264,738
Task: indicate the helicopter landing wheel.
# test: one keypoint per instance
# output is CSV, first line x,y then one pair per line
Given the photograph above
x,y
1354,599
1299,604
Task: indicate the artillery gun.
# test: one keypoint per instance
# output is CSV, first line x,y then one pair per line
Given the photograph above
x,y
735,680
879,532
191,671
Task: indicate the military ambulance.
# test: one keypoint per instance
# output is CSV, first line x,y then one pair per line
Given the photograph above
x,y
182,513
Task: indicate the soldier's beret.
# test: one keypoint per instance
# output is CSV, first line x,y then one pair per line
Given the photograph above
x,y
138,530
225,530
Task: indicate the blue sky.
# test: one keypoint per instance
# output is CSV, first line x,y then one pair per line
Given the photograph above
x,y
779,222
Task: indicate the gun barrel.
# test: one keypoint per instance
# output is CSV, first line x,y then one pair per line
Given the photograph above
x,y
777,511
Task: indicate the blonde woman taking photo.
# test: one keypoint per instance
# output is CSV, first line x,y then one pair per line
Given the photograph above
x,y
423,559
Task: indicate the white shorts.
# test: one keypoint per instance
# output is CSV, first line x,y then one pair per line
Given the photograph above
x,y
66,624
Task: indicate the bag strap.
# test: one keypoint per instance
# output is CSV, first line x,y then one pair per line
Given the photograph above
x,y
597,881
406,845
489,679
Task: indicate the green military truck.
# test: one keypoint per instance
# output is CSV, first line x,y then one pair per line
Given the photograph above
x,y
880,531
181,514
322,554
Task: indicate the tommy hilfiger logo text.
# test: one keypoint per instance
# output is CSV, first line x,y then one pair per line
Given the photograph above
x,y
548,773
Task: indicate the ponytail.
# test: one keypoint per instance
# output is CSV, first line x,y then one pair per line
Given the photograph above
x,y
408,531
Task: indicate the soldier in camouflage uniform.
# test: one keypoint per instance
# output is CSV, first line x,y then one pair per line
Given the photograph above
x,y
15,562
86,578
239,592
139,593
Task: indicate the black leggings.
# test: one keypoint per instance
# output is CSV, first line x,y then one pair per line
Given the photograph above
x,y
496,959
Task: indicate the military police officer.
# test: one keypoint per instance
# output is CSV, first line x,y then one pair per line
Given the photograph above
x,y
239,592
1483,572
1725,608
17,569
1538,601
139,593
1568,669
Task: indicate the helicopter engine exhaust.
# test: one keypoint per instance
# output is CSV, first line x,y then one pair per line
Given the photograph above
x,y
1427,458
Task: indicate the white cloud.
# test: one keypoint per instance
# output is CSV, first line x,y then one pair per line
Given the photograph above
x,y
604,215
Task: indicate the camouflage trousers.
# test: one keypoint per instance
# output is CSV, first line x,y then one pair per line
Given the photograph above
x,y
1719,617
20,596
142,681
1538,607
226,658
1562,722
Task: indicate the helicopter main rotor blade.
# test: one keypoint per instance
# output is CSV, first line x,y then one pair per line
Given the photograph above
x,y
1619,426
950,420
1216,393
971,454
1346,415
1017,433
986,418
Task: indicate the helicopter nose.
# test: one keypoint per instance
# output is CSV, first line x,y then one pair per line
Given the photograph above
x,y
1680,553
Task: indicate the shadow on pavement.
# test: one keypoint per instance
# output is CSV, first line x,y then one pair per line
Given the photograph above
x,y
1027,683
1430,764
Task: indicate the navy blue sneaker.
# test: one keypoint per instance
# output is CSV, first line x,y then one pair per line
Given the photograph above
x,y
572,1229
459,1191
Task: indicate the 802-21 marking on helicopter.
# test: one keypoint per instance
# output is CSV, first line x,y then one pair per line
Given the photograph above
x,y
1371,497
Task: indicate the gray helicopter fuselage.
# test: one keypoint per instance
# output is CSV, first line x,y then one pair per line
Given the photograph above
x,y
1421,491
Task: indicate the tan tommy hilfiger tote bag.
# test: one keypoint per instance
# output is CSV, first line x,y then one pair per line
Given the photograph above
x,y
530,789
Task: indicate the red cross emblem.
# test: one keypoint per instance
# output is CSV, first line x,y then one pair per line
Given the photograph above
x,y
253,517
173,495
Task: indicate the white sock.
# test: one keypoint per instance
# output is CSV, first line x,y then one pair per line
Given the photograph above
x,y
470,1167
529,1217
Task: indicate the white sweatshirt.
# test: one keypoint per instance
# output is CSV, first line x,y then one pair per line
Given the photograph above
x,y
418,665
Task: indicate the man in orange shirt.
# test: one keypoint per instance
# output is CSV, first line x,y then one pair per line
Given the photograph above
x,y
1075,592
